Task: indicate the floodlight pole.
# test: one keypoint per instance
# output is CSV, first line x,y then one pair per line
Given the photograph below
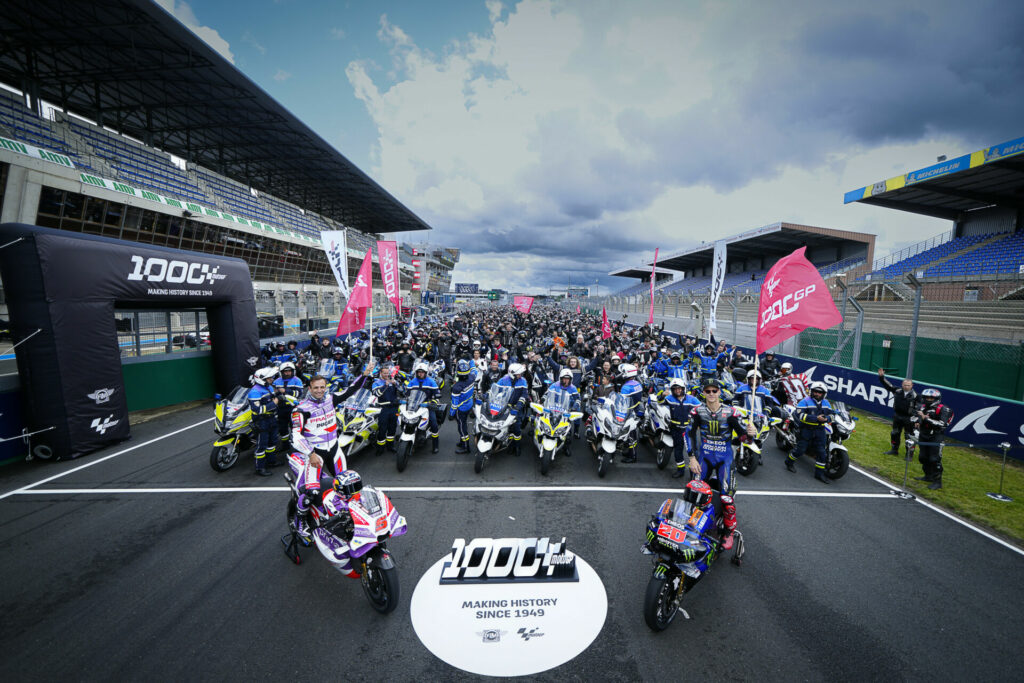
x,y
916,284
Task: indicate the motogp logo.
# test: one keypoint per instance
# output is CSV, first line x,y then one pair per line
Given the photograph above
x,y
101,425
786,305
155,269
508,560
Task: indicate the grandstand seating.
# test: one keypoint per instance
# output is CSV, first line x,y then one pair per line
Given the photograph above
x,y
922,259
840,266
236,198
1003,256
633,290
138,165
21,124
307,223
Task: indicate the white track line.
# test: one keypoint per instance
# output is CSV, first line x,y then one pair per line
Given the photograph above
x,y
448,489
108,457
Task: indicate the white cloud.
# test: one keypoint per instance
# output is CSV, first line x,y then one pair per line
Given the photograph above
x,y
338,33
580,136
281,75
250,39
183,13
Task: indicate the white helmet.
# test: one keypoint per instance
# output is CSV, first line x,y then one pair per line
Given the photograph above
x,y
516,369
752,374
264,376
787,366
676,382
420,365
565,373
819,386
628,370
288,365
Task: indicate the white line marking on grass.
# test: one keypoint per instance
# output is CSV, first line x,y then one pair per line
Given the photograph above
x,y
24,489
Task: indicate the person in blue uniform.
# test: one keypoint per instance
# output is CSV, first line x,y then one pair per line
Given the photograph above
x,y
680,405
462,401
813,413
288,390
386,390
421,380
263,404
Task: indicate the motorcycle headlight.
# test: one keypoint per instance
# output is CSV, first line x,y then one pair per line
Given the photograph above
x,y
544,427
561,430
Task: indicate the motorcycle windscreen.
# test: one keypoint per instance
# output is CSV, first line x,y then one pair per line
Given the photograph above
x,y
753,403
498,398
621,406
238,397
557,402
415,400
359,401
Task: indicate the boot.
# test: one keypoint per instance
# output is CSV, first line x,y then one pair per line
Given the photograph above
x,y
892,451
680,472
262,471
936,483
822,477
392,448
790,465
434,446
729,520
926,477
462,447
380,449
630,455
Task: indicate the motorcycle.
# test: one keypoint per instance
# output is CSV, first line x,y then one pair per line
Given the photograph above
x,y
234,428
353,540
839,428
493,424
414,421
357,420
682,543
552,426
748,455
655,426
610,428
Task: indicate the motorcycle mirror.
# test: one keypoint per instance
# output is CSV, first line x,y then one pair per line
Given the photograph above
x,y
855,418
372,411
575,416
217,397
537,407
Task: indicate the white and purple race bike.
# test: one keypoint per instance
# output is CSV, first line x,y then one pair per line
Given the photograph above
x,y
351,535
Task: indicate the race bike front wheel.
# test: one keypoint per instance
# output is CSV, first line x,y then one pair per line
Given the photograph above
x,y
660,602
381,587
223,458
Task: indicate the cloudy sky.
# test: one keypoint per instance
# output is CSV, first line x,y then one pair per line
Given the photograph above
x,y
555,140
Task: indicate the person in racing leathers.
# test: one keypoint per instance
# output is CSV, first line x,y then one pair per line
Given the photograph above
x,y
932,419
711,452
344,490
263,404
314,441
792,387
422,381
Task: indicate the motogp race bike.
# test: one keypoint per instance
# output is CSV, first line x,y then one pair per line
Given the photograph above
x,y
353,540
748,455
357,421
610,429
838,429
414,423
683,542
493,424
232,422
552,426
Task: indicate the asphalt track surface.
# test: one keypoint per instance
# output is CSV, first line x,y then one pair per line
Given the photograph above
x,y
108,576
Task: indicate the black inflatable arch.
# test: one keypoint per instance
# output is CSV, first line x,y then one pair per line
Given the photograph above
x,y
68,284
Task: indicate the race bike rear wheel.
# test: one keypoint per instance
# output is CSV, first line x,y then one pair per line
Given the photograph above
x,y
545,461
223,458
662,457
838,463
381,588
746,461
660,603
402,457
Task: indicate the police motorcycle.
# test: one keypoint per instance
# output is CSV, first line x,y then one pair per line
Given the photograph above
x,y
493,424
609,430
748,455
357,421
350,525
413,425
552,426
683,540
234,428
838,429
656,425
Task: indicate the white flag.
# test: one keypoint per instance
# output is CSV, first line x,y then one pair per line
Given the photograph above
x,y
337,255
717,280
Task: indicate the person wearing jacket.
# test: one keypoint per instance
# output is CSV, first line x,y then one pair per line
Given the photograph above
x,y
462,401
904,401
932,419
813,413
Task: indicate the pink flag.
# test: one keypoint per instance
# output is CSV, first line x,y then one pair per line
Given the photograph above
x,y
606,329
387,259
577,308
523,304
654,269
793,298
354,316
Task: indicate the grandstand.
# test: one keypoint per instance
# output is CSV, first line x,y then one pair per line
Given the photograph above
x,y
167,145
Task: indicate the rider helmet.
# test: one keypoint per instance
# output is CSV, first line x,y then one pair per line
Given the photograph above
x,y
516,369
421,367
676,382
348,484
565,374
676,358
264,376
463,367
628,370
337,351
287,366
787,368
752,374
698,493
931,396
819,386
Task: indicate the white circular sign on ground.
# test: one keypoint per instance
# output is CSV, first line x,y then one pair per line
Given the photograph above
x,y
511,627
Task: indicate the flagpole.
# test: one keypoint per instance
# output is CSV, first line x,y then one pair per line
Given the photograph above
x,y
371,331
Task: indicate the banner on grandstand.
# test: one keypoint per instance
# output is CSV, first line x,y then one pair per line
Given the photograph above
x,y
387,258
717,282
654,269
36,152
606,329
793,297
523,304
353,318
334,245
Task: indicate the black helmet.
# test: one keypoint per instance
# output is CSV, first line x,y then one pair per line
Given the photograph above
x,y
931,396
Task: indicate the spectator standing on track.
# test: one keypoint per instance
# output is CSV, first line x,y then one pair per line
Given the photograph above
x,y
904,400
934,418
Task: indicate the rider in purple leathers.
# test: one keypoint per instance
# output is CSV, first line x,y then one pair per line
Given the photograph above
x,y
315,442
